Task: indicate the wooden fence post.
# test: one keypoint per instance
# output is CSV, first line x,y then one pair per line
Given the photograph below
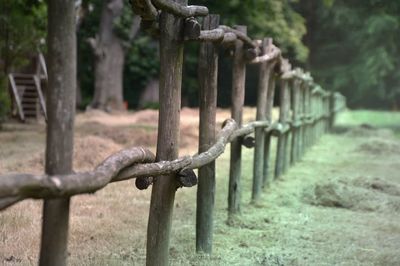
x,y
315,116
60,126
259,148
267,143
208,77
238,87
307,111
281,155
163,192
320,113
303,107
286,134
327,111
294,153
332,111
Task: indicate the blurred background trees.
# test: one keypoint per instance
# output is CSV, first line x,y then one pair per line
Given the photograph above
x,y
355,49
349,46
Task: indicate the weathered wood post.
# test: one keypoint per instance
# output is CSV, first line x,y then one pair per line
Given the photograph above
x,y
238,87
60,127
259,148
163,191
320,114
307,117
332,111
313,115
287,129
282,136
294,152
267,143
208,77
327,111
303,102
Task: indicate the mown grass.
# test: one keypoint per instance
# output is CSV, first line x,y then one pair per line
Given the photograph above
x,y
109,228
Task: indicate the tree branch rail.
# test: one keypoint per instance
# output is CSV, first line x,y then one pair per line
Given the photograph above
x,y
135,162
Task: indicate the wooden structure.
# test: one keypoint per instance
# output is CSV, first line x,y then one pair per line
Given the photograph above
x,y
306,112
27,92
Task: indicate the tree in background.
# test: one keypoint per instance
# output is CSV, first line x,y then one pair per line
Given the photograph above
x,y
140,59
117,29
263,18
354,49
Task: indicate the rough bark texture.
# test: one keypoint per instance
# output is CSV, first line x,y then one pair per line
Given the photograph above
x,y
61,112
163,193
262,93
294,154
282,137
238,86
136,162
267,143
208,77
308,116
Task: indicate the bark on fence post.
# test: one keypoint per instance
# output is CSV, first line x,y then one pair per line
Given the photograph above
x,y
61,113
307,99
294,154
163,192
267,144
332,111
263,82
303,106
282,138
312,116
319,112
317,115
327,112
286,135
208,77
238,87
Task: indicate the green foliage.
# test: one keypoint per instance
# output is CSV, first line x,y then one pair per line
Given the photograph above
x,y
23,27
141,60
142,63
265,18
354,49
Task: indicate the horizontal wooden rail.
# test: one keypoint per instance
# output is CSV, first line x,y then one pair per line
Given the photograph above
x,y
306,112
126,164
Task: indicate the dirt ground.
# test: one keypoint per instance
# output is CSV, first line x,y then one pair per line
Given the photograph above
x,y
340,205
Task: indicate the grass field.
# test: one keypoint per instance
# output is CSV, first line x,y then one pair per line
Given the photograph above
x,y
381,119
340,205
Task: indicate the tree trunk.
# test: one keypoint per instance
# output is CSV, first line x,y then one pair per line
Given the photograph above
x,y
61,112
163,192
109,62
208,79
238,89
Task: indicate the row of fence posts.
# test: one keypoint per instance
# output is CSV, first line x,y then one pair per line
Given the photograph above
x,y
306,112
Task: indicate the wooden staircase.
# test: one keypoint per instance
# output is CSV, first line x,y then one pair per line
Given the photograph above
x,y
27,92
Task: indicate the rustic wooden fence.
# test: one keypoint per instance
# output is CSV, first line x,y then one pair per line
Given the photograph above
x,y
306,111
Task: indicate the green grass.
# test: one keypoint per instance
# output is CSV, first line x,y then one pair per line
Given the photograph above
x,y
379,119
373,118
